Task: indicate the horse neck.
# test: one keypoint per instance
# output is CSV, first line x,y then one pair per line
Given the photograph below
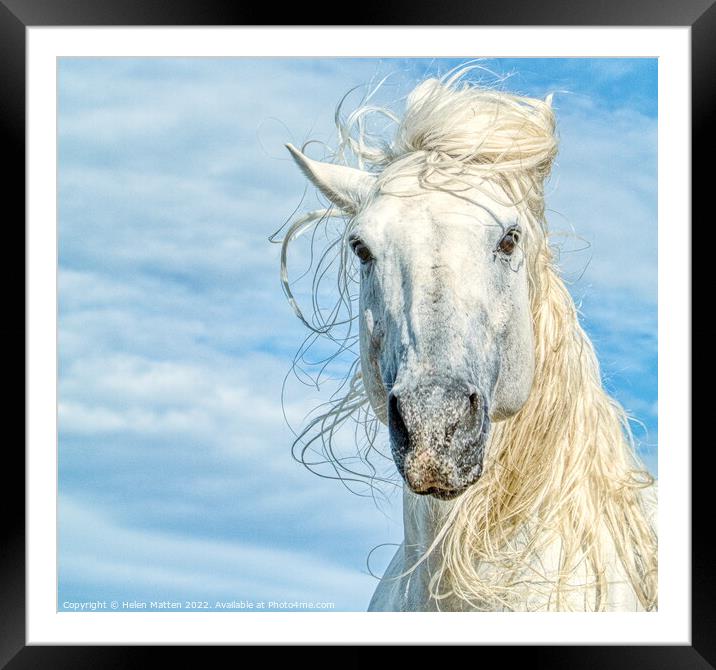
x,y
423,516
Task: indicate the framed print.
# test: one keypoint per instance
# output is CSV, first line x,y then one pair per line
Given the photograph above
x,y
340,309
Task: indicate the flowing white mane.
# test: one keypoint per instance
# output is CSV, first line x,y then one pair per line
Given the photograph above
x,y
564,467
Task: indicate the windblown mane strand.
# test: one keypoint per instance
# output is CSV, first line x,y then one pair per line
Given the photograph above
x,y
564,467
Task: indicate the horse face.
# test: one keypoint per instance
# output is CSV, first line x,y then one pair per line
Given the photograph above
x,y
445,325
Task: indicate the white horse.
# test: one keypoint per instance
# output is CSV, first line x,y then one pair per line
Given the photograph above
x,y
522,490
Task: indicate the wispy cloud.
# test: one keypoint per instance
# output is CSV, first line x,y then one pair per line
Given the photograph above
x,y
605,190
103,559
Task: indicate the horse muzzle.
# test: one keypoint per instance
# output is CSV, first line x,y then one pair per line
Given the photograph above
x,y
438,431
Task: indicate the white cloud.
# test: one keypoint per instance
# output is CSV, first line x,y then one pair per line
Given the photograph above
x,y
217,402
605,190
110,560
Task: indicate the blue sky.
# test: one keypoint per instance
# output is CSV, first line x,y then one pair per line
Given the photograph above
x,y
175,474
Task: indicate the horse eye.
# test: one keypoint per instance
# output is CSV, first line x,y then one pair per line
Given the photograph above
x,y
509,242
361,250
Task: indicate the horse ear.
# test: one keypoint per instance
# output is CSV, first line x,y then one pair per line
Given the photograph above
x,y
344,186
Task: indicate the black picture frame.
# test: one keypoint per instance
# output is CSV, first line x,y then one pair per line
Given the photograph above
x,y
17,15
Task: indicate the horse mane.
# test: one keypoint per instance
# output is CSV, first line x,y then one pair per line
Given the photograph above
x,y
564,467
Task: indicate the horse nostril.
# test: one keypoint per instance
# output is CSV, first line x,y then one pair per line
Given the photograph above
x,y
476,411
392,403
395,420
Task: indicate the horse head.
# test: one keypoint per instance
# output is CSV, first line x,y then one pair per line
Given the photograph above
x,y
446,341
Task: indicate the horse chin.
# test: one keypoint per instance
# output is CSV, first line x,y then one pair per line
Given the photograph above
x,y
447,486
451,493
